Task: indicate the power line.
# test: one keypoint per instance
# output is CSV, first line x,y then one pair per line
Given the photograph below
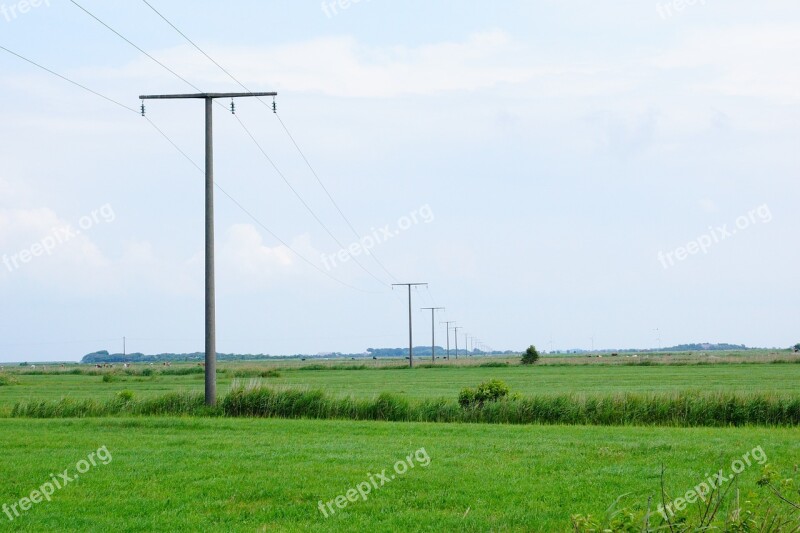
x,y
118,34
330,197
256,220
283,125
195,45
252,137
300,198
104,97
183,153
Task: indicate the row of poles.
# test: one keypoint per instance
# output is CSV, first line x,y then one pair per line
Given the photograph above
x,y
210,312
433,327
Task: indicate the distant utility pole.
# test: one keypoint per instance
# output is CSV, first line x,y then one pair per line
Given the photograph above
x,y
410,337
455,336
466,351
448,336
124,350
433,330
211,332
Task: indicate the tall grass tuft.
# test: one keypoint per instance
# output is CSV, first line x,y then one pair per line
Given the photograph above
x,y
256,400
6,380
677,410
173,404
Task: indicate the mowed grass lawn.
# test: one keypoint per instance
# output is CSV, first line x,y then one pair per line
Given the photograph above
x,y
169,474
437,382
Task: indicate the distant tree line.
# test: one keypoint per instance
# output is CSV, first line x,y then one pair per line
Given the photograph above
x,y
699,347
696,347
103,356
421,351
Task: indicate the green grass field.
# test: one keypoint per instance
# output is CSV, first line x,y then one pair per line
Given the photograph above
x,y
244,475
240,474
437,382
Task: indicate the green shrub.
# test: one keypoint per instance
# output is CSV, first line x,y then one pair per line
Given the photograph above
x,y
488,391
466,397
125,395
531,356
109,378
492,390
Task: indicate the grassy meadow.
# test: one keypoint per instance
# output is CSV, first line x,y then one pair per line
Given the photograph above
x,y
444,381
220,473
254,475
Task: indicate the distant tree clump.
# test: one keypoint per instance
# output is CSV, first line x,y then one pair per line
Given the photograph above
x,y
531,356
797,347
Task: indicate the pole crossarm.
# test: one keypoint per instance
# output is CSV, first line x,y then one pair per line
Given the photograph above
x,y
202,95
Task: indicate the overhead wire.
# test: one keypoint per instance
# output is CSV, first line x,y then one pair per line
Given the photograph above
x,y
185,155
302,201
104,97
252,137
283,125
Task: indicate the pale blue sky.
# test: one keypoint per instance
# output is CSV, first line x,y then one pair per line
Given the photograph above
x,y
558,147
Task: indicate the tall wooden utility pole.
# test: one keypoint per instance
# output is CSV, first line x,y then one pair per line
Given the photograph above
x,y
448,336
455,336
433,330
410,337
211,329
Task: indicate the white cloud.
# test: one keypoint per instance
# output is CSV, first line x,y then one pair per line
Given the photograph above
x,y
341,66
740,61
246,262
38,244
